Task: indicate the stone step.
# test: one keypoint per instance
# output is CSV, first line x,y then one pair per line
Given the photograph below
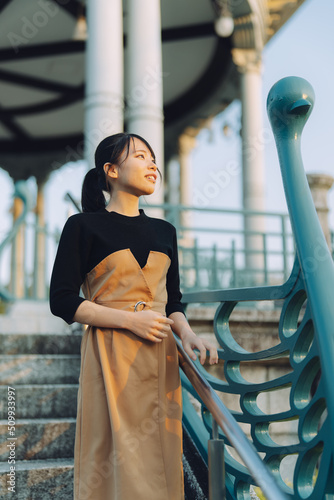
x,y
38,439
53,479
39,480
41,401
39,369
40,343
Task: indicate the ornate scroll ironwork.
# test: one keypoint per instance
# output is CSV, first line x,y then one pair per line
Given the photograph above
x,y
306,334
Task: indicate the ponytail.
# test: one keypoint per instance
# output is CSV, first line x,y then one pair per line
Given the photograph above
x,y
92,197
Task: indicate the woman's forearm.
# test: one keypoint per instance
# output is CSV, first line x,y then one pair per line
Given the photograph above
x,y
181,326
149,325
89,313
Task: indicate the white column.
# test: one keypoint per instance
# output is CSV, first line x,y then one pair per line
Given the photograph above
x,y
253,182
143,82
104,73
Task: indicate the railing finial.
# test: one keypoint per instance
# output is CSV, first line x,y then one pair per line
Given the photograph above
x,y
289,104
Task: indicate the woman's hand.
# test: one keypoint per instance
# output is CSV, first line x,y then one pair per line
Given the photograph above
x,y
190,341
150,325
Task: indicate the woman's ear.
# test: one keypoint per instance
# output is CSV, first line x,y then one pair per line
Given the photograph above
x,y
111,170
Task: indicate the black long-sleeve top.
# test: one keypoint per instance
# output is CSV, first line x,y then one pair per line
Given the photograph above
x,y
88,238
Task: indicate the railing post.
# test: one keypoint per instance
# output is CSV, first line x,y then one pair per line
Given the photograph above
x,y
284,247
195,254
233,265
265,258
214,271
216,465
176,217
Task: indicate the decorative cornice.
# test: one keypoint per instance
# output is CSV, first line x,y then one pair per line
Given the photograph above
x,y
250,31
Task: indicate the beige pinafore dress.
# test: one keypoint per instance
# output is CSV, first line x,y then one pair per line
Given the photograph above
x,y
128,443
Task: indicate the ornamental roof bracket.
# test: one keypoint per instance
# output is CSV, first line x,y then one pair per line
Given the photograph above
x,y
250,31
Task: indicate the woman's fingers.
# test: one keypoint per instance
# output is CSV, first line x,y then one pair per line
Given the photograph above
x,y
213,353
197,343
202,353
203,346
151,325
165,322
159,333
164,325
153,338
189,350
164,328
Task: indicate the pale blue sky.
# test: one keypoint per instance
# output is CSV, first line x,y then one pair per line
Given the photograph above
x,y
303,47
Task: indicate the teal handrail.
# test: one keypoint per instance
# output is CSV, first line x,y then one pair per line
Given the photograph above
x,y
289,105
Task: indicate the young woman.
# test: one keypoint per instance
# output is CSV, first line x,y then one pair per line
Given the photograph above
x,y
128,442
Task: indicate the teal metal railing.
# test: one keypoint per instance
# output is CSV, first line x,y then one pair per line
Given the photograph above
x,y
305,332
222,264
202,266
24,252
22,192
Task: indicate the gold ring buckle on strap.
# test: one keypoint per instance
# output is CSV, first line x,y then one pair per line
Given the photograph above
x,y
138,304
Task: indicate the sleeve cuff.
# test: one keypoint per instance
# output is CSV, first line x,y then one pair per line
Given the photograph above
x,y
67,310
170,308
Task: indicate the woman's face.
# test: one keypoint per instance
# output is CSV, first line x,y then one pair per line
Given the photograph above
x,y
136,173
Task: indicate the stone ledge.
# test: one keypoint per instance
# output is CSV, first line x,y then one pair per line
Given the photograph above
x,y
42,401
40,343
39,368
23,465
32,316
40,438
39,479
238,315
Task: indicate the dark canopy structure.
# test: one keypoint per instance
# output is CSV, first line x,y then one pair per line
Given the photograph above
x,y
42,73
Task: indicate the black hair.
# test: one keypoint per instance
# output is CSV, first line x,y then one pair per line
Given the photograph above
x,y
109,150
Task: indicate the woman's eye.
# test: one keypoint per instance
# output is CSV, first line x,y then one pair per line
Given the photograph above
x,y
140,156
